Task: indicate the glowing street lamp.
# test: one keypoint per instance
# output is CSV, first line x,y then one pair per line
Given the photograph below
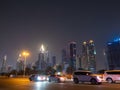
x,y
25,54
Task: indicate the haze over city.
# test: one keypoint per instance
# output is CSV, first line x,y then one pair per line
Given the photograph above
x,y
26,24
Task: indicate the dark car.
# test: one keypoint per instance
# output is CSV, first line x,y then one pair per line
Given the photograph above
x,y
56,78
37,77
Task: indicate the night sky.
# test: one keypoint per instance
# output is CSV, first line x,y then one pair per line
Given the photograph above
x,y
26,24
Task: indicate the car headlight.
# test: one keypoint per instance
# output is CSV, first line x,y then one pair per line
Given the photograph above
x,y
62,78
41,78
38,78
99,78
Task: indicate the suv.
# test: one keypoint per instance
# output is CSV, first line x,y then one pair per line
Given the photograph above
x,y
86,76
111,76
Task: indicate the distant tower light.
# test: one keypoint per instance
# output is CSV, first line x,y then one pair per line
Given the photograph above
x,y
5,57
84,43
42,49
91,41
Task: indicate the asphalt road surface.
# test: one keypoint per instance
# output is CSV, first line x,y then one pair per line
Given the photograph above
x,y
25,84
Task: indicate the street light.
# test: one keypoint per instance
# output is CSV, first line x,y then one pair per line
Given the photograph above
x,y
25,54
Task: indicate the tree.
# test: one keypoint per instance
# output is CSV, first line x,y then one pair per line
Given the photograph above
x,y
50,70
101,71
14,72
59,68
69,70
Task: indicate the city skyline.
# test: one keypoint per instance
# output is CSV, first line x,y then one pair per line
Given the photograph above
x,y
26,24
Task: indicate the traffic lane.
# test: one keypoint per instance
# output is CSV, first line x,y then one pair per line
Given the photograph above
x,y
25,84
72,86
85,86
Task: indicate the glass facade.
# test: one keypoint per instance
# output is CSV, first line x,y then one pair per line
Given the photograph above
x,y
113,54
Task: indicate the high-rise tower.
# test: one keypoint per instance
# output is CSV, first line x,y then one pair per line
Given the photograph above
x,y
4,66
72,52
43,59
88,56
113,54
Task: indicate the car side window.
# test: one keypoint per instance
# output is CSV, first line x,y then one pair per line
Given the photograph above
x,y
77,73
88,73
83,73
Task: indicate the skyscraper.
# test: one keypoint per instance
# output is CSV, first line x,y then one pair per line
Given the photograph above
x,y
43,59
72,52
20,63
88,56
4,65
113,54
64,56
65,60
53,61
84,57
92,54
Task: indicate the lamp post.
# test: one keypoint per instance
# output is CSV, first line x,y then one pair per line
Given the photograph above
x,y
25,54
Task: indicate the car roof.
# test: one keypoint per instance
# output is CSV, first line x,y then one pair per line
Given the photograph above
x,y
82,71
112,71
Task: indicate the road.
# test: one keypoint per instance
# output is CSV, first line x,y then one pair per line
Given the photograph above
x,y
25,84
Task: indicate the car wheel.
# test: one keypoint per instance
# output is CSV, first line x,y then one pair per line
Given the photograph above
x,y
76,81
94,81
109,80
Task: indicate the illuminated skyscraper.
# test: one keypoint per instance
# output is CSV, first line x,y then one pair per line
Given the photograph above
x,y
88,56
113,54
84,58
43,59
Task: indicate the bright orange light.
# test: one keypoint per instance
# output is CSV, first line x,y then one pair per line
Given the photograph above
x,y
25,53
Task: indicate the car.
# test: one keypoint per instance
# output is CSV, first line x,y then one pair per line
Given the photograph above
x,y
56,78
111,76
86,76
38,77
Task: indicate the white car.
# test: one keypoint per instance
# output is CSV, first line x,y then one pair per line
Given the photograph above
x,y
112,76
86,76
